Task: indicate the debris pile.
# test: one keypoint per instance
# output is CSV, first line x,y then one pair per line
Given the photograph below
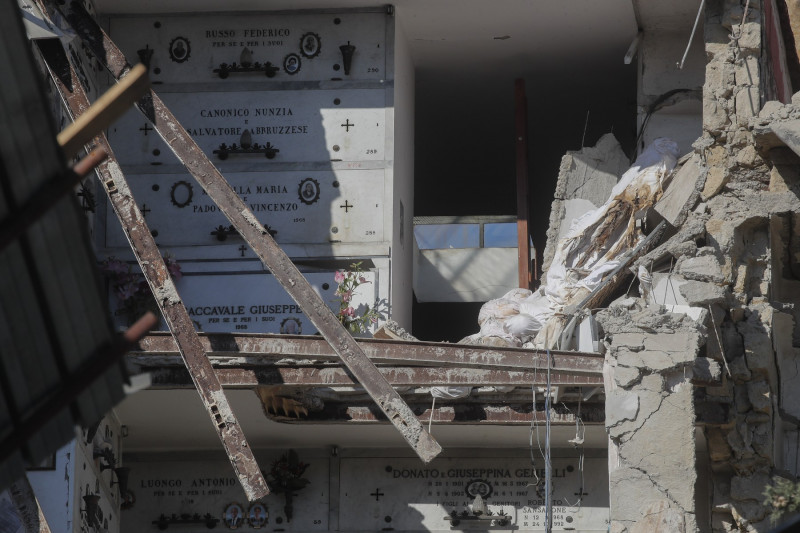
x,y
589,251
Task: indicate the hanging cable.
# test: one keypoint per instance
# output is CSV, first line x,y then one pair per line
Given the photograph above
x,y
548,471
694,28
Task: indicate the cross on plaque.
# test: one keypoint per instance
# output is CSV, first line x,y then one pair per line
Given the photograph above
x,y
377,494
146,128
145,210
243,249
346,206
347,125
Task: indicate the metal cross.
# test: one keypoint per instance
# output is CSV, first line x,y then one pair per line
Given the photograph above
x,y
346,206
377,494
145,210
243,249
347,125
146,128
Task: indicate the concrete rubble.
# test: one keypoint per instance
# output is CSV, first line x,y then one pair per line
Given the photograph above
x,y
710,342
732,258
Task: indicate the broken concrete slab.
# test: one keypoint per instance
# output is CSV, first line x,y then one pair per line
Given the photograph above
x,y
700,294
682,192
585,180
705,268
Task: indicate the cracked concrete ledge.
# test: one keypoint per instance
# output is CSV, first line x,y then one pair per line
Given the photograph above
x,y
650,417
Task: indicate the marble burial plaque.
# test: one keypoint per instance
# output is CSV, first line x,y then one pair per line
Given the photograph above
x,y
257,47
255,302
264,126
189,490
298,207
405,495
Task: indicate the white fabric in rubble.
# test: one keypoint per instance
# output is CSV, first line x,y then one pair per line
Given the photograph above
x,y
450,393
588,252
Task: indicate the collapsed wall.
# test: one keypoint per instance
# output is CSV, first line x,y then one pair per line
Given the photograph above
x,y
732,265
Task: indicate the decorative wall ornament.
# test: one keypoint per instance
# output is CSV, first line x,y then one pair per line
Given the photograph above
x,y
285,476
233,516
246,65
308,191
179,49
291,64
310,45
257,515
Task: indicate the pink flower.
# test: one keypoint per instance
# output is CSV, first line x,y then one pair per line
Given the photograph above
x,y
362,279
348,311
338,277
347,296
174,269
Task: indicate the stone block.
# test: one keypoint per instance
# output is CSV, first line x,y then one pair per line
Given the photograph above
x,y
745,488
746,72
715,117
716,179
748,157
702,268
699,294
760,396
748,102
718,447
741,398
771,109
706,370
749,37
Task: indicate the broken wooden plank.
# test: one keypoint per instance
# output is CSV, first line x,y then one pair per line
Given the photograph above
x,y
256,236
227,349
109,107
177,377
612,279
158,278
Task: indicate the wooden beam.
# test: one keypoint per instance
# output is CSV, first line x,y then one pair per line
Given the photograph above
x,y
158,278
521,144
258,238
228,349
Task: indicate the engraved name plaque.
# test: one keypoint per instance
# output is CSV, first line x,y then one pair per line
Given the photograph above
x,y
408,496
258,47
254,302
297,207
279,126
